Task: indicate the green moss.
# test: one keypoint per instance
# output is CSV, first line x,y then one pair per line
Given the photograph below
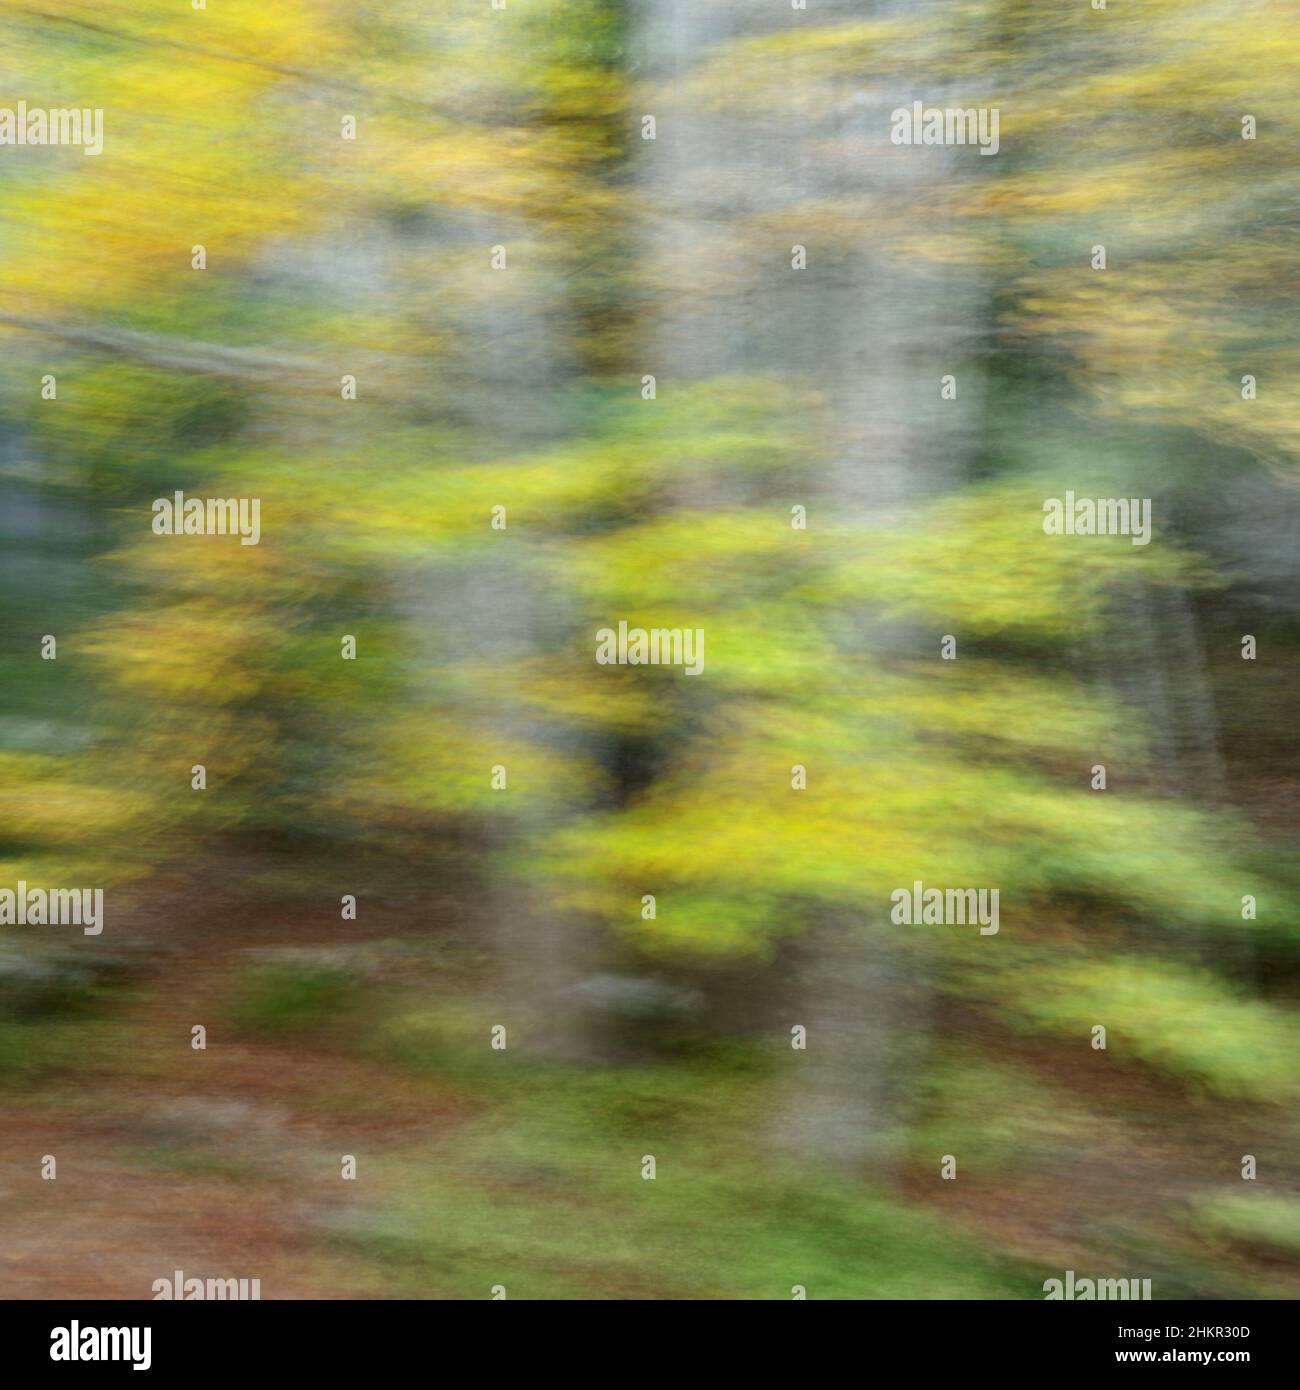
x,y
545,1196
1257,1217
293,998
1186,1022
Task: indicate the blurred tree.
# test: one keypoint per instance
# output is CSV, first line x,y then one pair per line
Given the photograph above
x,y
776,387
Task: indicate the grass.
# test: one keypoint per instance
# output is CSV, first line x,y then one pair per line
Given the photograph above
x,y
544,1194
292,999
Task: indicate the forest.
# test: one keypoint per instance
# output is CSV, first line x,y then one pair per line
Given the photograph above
x,y
529,532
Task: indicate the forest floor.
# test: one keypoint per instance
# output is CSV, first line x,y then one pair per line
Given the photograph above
x,y
226,1162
